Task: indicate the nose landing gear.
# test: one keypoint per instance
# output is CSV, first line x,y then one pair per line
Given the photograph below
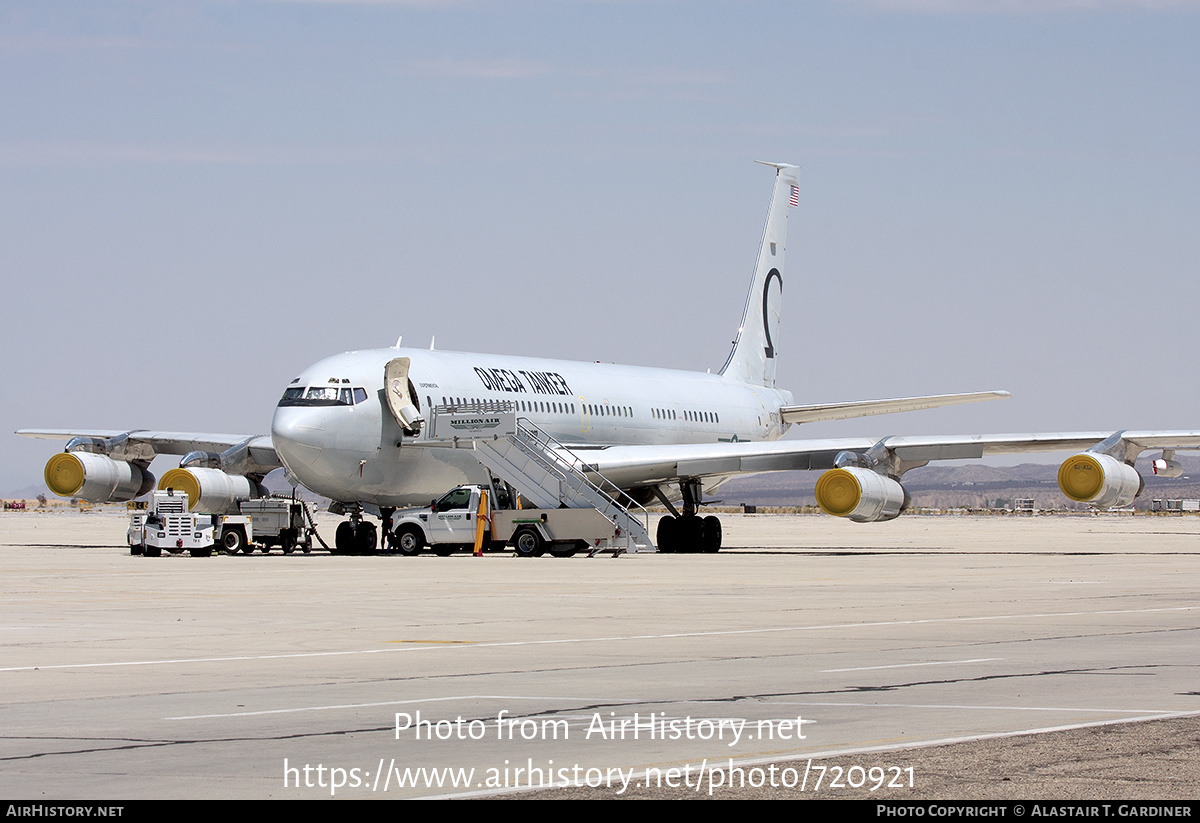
x,y
355,536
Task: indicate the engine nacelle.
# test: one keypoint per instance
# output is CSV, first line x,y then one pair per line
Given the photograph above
x,y
861,495
212,491
96,478
1099,480
1164,467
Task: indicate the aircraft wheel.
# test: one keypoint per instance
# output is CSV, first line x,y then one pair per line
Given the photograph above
x,y
367,538
233,541
409,541
710,534
689,535
668,528
528,543
343,538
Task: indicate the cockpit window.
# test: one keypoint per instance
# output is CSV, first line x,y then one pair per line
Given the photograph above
x,y
323,396
322,393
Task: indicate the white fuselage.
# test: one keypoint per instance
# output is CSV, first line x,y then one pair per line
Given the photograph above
x,y
353,450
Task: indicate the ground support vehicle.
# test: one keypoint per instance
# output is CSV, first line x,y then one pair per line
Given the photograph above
x,y
167,524
267,522
261,523
451,524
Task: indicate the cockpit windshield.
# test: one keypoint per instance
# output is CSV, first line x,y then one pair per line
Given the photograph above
x,y
323,396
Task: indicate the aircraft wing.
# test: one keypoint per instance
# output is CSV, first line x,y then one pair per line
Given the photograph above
x,y
634,466
143,444
867,408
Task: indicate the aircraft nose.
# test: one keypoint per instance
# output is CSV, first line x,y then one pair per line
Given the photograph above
x,y
298,433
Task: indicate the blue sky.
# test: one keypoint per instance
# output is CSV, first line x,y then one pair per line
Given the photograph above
x,y
198,199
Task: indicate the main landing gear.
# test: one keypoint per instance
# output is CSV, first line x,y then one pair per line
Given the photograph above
x,y
687,532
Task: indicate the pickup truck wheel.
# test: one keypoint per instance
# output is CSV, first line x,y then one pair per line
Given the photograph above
x,y
528,543
410,541
444,549
233,541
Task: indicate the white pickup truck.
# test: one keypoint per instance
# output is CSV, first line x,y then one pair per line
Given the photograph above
x,y
451,524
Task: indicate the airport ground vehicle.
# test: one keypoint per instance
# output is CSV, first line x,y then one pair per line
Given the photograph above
x,y
451,523
167,524
266,522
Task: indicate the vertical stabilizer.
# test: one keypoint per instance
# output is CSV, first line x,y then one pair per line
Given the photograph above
x,y
753,357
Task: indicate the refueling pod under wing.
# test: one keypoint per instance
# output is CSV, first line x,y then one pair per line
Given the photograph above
x,y
96,478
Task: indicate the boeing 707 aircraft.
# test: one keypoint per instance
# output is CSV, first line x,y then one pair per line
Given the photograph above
x,y
353,428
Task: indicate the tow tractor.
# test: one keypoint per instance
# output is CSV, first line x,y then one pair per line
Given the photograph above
x,y
451,524
167,524
260,523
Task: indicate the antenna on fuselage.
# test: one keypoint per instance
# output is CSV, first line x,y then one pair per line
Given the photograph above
x,y
398,339
432,337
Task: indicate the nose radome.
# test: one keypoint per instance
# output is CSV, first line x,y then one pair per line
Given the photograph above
x,y
298,434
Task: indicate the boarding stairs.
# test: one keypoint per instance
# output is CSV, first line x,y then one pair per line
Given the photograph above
x,y
544,471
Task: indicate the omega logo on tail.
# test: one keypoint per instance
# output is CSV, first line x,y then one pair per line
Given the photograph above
x,y
770,347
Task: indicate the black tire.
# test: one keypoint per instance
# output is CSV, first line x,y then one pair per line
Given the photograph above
x,y
667,536
234,541
689,535
563,550
367,538
136,549
528,543
205,552
710,534
443,549
343,538
409,541
153,551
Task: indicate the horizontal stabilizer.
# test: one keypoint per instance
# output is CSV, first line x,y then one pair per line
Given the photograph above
x,y
867,408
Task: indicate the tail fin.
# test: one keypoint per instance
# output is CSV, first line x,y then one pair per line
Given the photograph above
x,y
753,357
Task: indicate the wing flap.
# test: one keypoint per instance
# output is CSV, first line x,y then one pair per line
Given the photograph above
x,y
866,408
